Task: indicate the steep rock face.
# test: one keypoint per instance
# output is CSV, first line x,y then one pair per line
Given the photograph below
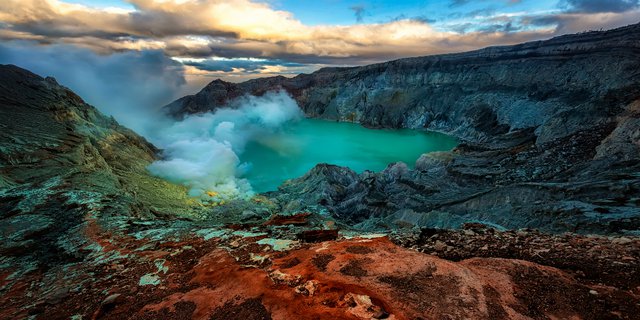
x,y
65,167
549,133
473,95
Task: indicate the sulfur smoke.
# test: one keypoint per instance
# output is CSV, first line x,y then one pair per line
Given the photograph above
x,y
202,151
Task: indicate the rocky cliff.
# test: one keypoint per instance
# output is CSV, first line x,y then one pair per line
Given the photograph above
x,y
549,131
87,233
64,167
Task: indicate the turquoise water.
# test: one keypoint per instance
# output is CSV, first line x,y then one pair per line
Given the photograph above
x,y
299,146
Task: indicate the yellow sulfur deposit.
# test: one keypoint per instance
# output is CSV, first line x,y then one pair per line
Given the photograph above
x,y
212,194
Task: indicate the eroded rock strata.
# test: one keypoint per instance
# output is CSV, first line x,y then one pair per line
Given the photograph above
x,y
549,135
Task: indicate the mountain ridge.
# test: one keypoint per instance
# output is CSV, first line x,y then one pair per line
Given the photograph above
x,y
218,92
548,130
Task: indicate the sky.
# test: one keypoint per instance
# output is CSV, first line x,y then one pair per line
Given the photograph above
x,y
198,41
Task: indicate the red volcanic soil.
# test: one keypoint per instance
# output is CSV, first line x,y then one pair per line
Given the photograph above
x,y
236,277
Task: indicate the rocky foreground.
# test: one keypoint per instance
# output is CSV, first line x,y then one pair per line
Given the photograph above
x,y
173,270
87,233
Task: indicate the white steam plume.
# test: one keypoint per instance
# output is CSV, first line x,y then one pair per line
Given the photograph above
x,y
202,150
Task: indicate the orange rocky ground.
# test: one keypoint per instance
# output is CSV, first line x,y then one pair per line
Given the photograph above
x,y
226,274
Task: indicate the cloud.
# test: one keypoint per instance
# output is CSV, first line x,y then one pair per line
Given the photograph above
x,y
231,64
126,84
359,11
229,29
507,27
488,11
419,18
570,22
597,6
203,28
459,3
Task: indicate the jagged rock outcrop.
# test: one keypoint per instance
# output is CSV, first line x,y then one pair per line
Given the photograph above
x,y
549,133
65,167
